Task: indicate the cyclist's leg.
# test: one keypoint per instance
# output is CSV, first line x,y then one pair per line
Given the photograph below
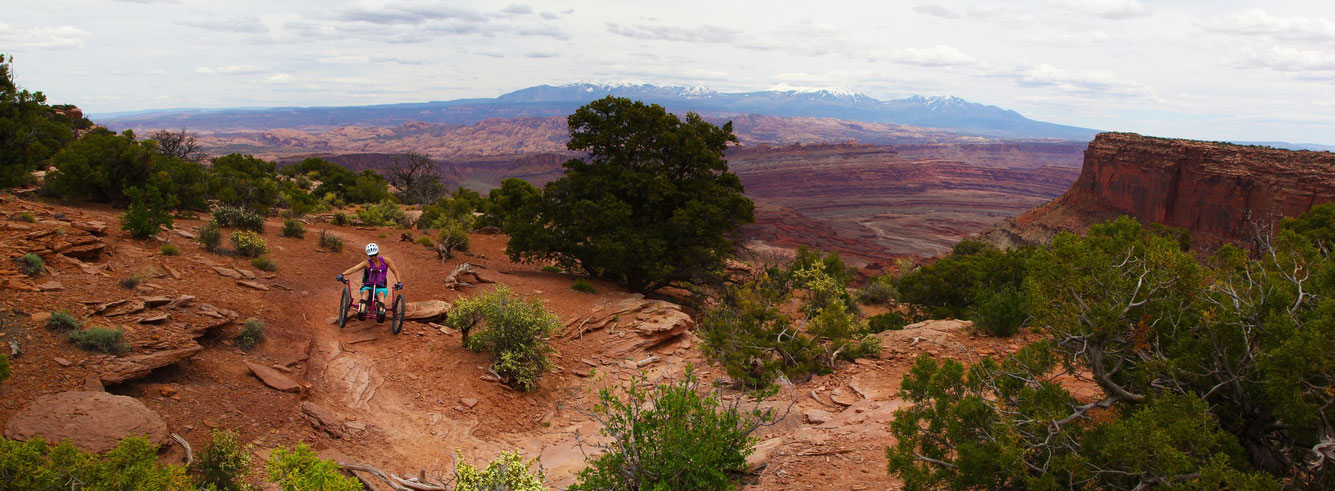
x,y
365,299
380,294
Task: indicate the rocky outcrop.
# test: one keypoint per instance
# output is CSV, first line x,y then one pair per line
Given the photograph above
x,y
92,421
1214,190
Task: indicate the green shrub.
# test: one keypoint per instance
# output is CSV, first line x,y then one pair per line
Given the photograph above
x,y
102,339
293,228
231,216
249,244
299,470
508,472
27,217
551,269
330,241
149,212
62,320
889,321
752,332
30,264
340,218
426,242
514,330
383,214
999,313
4,367
133,464
170,250
252,333
210,236
264,264
671,437
583,285
223,464
453,236
879,291
948,287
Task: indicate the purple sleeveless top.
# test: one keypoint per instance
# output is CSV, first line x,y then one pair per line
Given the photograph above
x,y
376,275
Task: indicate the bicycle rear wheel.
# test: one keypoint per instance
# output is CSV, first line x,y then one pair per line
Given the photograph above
x,y
344,301
397,324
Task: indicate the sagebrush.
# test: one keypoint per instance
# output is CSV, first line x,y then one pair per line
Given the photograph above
x,y
513,329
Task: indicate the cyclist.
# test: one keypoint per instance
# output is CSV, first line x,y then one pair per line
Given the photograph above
x,y
375,277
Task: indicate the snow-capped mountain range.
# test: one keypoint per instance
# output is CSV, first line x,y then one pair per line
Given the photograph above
x,y
948,113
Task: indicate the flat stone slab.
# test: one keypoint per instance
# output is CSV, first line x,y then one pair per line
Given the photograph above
x,y
253,284
92,421
273,378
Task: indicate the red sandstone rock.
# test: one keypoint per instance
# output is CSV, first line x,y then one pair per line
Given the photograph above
x,y
1214,190
92,421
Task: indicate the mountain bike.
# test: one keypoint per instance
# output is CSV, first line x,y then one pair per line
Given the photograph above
x,y
371,304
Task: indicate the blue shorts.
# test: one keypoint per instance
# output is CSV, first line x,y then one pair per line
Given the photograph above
x,y
378,290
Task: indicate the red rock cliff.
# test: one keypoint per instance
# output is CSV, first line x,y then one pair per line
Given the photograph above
x,y
1211,189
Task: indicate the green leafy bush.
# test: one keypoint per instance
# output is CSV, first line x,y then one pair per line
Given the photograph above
x,y
879,291
426,242
133,464
514,330
299,469
170,249
383,214
889,321
30,264
948,287
249,243
149,211
264,263
551,269
210,236
751,332
458,206
339,218
102,339
293,228
453,236
582,285
232,216
224,464
670,437
330,241
27,217
252,333
63,321
508,472
1208,374
244,181
999,313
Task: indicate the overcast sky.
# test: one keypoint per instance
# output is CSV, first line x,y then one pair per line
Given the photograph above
x,y
1219,69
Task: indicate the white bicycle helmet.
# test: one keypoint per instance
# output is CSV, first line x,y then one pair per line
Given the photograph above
x,y
372,249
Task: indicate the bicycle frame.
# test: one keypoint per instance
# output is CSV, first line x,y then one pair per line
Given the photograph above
x,y
375,303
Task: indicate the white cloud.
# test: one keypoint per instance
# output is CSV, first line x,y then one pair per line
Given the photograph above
x,y
245,24
541,54
517,9
702,34
1287,60
938,56
1087,81
935,10
230,70
63,37
1108,9
279,79
1257,22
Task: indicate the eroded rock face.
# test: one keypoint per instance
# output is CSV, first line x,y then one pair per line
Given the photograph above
x,y
1213,190
92,421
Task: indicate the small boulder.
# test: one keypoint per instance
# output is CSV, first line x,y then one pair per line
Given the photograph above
x,y
230,273
253,284
273,378
759,457
92,421
426,311
468,402
817,416
50,286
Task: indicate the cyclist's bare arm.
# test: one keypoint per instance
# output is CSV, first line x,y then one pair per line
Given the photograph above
x,y
360,266
393,269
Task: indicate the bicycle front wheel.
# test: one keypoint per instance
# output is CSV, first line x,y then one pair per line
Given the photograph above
x,y
344,302
397,324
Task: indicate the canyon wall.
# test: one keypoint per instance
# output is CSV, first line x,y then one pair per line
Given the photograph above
x,y
1214,190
